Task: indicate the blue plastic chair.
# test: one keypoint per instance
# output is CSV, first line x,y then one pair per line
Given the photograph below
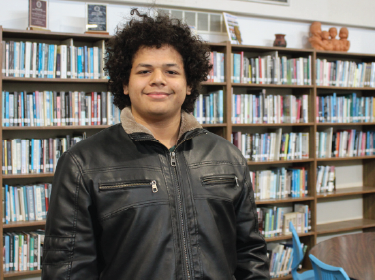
x,y
327,272
298,257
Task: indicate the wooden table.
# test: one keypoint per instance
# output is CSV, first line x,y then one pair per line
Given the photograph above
x,y
355,253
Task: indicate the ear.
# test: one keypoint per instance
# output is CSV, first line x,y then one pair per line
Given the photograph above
x,y
188,90
126,90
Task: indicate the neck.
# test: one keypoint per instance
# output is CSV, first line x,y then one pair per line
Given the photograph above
x,y
164,130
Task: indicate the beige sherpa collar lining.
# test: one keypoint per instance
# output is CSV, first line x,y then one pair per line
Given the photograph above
x,y
188,123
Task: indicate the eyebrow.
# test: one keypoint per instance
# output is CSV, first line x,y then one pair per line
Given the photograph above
x,y
164,65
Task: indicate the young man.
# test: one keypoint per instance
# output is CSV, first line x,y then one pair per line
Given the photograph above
x,y
155,197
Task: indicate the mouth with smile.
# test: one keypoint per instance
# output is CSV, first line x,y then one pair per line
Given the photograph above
x,y
158,95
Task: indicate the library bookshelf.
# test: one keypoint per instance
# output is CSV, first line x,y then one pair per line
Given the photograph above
x,y
224,129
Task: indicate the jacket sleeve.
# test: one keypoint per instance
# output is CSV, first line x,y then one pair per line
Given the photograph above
x,y
252,261
69,247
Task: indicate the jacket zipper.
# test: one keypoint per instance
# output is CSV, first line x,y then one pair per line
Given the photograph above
x,y
153,184
173,164
220,180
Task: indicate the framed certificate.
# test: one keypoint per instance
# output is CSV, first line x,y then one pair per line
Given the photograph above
x,y
96,17
38,11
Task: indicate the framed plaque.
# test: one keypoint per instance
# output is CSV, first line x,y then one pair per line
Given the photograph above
x,y
96,18
38,14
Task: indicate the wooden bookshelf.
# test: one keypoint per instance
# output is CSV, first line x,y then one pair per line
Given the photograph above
x,y
346,88
283,200
270,86
286,237
346,124
15,225
272,124
30,273
343,226
344,158
280,161
225,130
54,80
347,192
28,176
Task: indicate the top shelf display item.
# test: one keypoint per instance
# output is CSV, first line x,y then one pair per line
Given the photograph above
x,y
326,40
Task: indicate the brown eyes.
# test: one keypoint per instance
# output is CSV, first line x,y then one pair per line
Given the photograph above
x,y
148,71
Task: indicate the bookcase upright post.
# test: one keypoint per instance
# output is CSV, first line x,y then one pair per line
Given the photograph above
x,y
1,156
228,100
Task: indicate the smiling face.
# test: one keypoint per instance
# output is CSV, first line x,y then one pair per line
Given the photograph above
x,y
157,84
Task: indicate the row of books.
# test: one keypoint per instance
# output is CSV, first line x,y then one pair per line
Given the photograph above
x,y
345,109
344,143
53,108
274,221
272,146
23,251
262,108
280,183
209,108
27,156
269,68
326,179
26,203
217,73
345,73
42,60
281,258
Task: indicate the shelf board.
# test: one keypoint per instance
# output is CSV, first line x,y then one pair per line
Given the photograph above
x,y
72,127
24,273
24,224
55,80
346,124
269,86
345,88
65,127
344,158
213,84
48,35
289,276
270,124
214,125
342,226
283,200
280,161
347,191
21,176
284,237
336,53
262,49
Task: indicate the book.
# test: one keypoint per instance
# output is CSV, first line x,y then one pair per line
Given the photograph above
x,y
233,28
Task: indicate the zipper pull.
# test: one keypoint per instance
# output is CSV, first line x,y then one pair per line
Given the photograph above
x,y
173,158
237,185
154,186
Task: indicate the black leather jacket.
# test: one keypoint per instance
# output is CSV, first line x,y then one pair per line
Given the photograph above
x,y
123,207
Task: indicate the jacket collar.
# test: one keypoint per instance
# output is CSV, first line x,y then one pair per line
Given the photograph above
x,y
140,132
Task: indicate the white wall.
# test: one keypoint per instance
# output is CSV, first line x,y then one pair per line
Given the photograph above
x,y
69,16
345,12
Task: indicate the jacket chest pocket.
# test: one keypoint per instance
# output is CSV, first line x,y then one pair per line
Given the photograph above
x,y
229,180
114,197
223,186
118,186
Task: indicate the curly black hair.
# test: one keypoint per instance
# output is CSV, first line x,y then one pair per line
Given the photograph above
x,y
156,32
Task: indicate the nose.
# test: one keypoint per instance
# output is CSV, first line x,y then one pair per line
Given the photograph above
x,y
157,78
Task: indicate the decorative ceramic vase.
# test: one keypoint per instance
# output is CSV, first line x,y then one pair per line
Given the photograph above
x,y
279,41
